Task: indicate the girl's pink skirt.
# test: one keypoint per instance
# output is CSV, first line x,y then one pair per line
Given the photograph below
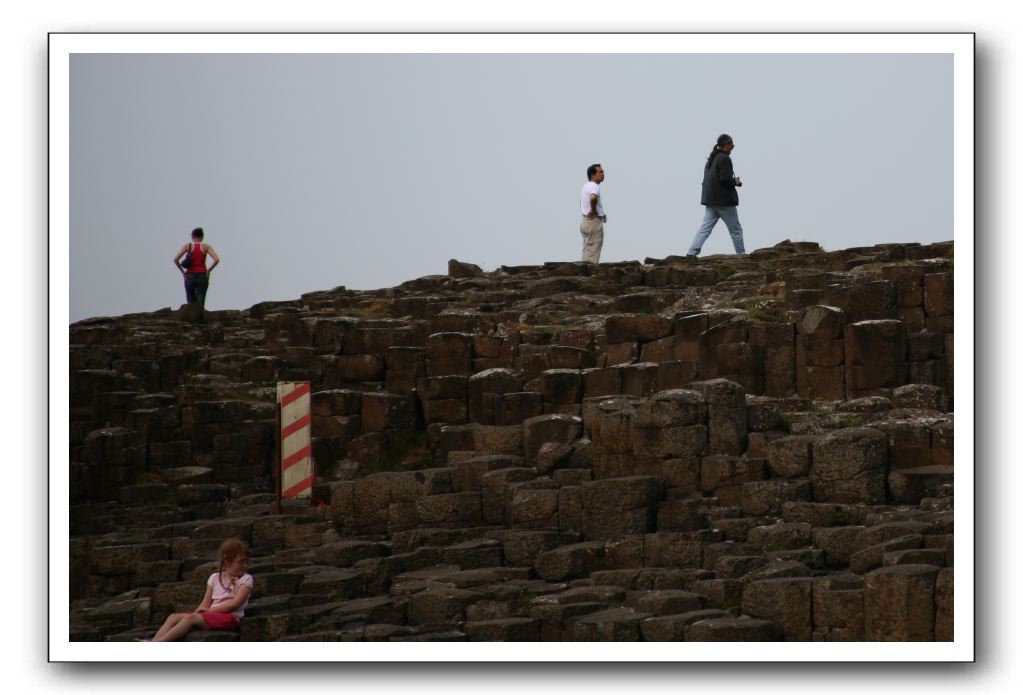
x,y
219,621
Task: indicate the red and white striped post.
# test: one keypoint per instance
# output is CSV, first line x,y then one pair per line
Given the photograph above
x,y
296,461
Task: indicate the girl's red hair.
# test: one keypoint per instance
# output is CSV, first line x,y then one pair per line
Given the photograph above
x,y
231,549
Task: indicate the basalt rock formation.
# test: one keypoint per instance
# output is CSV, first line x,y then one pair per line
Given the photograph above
x,y
735,448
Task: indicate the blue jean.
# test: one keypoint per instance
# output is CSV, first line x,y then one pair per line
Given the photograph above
x,y
730,215
196,285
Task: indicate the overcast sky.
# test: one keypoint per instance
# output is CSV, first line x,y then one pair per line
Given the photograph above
x,y
313,171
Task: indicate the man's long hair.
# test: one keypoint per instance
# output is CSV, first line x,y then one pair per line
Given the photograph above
x,y
723,140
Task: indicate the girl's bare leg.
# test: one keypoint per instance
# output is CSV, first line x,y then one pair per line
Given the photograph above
x,y
181,627
170,622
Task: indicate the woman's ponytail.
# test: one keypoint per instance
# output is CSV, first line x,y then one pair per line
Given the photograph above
x,y
723,140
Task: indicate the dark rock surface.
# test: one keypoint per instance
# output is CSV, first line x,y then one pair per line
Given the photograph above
x,y
736,448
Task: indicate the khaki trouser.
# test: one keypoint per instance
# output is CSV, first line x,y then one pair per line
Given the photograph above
x,y
593,239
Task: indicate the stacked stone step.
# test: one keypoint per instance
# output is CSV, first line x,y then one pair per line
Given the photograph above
x,y
747,571
588,556
135,436
569,480
427,598
392,354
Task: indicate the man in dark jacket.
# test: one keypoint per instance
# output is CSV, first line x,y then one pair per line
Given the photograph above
x,y
720,197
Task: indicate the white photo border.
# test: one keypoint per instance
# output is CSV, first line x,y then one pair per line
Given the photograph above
x,y
63,45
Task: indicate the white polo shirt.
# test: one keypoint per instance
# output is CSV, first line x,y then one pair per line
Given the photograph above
x,y
584,199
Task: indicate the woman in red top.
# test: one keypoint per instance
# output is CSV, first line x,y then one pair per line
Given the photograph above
x,y
197,276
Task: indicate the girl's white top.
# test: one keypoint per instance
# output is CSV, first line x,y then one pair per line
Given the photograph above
x,y
227,588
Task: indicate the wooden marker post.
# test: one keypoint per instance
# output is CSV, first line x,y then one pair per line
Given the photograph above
x,y
295,461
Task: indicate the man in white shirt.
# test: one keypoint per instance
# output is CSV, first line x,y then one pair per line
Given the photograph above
x,y
592,209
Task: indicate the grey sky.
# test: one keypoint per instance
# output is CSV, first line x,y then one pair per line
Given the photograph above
x,y
313,171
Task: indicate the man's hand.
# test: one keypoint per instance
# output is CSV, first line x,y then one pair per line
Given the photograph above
x,y
738,181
